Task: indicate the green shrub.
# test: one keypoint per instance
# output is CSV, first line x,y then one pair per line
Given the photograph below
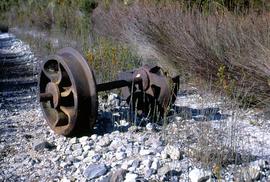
x,y
87,6
108,58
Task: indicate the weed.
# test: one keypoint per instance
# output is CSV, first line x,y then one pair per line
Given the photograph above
x,y
108,59
225,81
87,6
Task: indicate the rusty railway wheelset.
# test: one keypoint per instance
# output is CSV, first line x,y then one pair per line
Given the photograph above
x,y
68,91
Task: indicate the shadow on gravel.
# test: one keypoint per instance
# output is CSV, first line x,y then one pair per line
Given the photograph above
x,y
104,127
109,121
119,120
204,114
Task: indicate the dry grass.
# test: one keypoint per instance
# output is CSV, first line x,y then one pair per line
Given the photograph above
x,y
201,43
218,49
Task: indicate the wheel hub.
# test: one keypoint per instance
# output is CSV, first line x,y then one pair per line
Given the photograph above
x,y
52,88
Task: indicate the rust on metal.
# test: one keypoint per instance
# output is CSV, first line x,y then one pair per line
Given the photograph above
x,y
156,92
68,91
67,78
118,84
45,97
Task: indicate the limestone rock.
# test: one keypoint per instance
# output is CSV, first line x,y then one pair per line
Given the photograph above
x,y
95,170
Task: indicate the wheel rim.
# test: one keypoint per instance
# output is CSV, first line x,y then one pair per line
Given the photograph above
x,y
68,93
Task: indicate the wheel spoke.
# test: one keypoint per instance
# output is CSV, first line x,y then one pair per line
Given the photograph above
x,y
52,114
62,119
69,111
67,91
65,78
52,71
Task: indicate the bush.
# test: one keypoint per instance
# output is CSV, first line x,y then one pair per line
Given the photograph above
x,y
87,6
109,58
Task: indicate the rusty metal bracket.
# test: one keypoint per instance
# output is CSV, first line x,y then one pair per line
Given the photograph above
x,y
68,91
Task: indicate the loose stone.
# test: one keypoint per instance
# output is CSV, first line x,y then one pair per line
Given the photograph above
x,y
104,142
120,155
44,145
94,137
174,152
96,157
147,163
73,140
199,175
118,175
76,146
77,152
163,170
95,170
145,152
131,177
83,140
150,127
155,164
148,173
86,148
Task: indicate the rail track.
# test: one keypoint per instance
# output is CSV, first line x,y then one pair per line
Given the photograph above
x,y
19,70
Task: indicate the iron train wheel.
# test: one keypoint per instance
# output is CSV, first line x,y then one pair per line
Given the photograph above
x,y
68,93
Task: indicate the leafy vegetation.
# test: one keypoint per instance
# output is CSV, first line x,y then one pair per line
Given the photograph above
x,y
111,58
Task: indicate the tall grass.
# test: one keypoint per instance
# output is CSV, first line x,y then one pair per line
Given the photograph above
x,y
225,50
108,59
203,43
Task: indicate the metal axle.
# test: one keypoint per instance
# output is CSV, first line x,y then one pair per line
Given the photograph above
x,y
118,84
43,97
68,92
